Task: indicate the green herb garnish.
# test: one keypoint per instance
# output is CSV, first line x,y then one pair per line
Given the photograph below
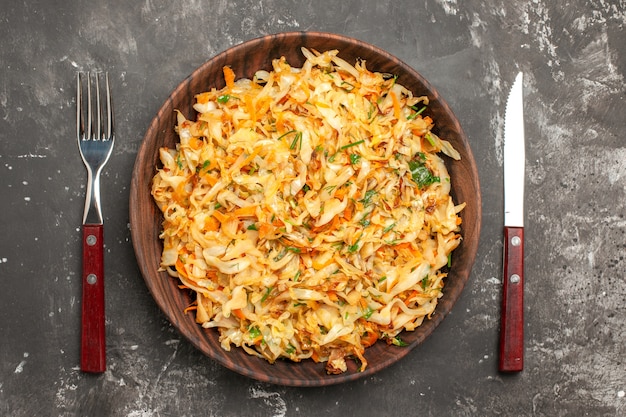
x,y
268,291
347,86
388,228
417,112
365,221
420,173
398,342
349,145
223,98
367,198
297,142
353,248
204,166
430,139
280,256
254,332
285,134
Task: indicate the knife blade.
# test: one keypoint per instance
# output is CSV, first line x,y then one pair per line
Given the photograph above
x,y
511,358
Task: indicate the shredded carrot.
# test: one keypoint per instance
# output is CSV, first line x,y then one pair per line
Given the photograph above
x,y
211,224
335,222
239,314
203,98
192,307
396,104
246,211
210,179
348,212
250,107
229,77
265,230
321,261
237,166
369,338
195,143
340,193
221,217
179,193
180,268
411,296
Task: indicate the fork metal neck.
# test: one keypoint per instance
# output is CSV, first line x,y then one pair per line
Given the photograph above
x,y
92,213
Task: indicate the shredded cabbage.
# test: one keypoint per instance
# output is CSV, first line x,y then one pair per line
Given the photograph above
x,y
308,210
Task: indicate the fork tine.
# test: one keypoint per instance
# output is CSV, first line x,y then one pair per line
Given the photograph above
x,y
79,99
109,117
83,126
98,133
88,131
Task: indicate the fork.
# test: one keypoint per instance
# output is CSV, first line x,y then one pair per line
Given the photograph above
x,y
96,136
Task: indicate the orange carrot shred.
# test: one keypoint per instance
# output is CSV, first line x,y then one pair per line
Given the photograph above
x,y
396,104
229,77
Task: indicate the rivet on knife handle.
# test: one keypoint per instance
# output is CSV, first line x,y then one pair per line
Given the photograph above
x,y
93,342
512,324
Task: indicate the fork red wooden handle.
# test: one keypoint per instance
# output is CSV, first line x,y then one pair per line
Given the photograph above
x,y
512,320
93,343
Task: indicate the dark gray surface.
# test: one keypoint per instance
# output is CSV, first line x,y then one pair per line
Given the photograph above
x,y
573,54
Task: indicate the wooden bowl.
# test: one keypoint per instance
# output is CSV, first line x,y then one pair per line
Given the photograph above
x,y
145,218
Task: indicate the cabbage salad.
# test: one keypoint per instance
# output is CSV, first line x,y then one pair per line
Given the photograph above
x,y
308,210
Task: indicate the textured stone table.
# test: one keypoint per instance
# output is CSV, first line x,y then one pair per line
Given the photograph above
x,y
573,54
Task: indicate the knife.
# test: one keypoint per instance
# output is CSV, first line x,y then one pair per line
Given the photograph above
x,y
512,318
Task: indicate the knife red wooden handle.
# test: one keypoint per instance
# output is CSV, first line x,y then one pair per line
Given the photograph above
x,y
512,320
93,343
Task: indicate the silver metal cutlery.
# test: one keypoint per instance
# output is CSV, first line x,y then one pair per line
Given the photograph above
x,y
96,137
